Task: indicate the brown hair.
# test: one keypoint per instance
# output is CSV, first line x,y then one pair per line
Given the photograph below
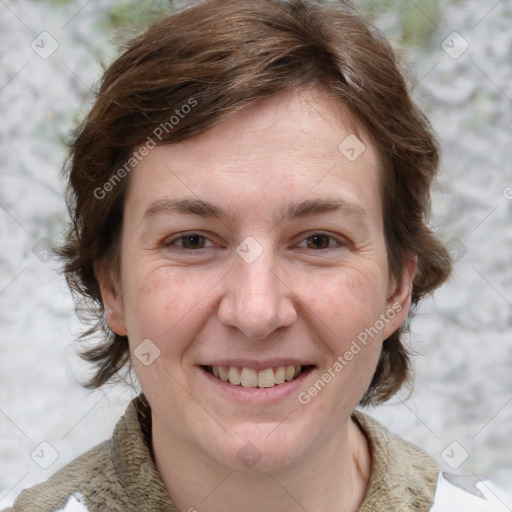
x,y
220,56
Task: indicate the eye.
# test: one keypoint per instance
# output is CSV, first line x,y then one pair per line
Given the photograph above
x,y
319,241
189,241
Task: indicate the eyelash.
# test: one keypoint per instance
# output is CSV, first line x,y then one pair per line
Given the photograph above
x,y
173,242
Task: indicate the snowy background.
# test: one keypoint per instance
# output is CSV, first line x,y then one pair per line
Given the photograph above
x,y
460,53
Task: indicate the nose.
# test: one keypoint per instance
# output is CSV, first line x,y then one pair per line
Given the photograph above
x,y
256,300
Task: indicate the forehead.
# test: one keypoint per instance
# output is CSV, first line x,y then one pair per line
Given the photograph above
x,y
298,145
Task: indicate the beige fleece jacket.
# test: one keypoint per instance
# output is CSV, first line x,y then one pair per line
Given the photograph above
x,y
120,475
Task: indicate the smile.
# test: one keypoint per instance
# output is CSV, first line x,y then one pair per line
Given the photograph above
x,y
250,378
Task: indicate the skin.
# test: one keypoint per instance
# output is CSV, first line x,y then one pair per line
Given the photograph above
x,y
298,299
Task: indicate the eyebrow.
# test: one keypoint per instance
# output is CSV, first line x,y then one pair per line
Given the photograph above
x,y
291,211
319,206
188,207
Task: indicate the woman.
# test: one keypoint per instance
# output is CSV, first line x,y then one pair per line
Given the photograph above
x,y
249,197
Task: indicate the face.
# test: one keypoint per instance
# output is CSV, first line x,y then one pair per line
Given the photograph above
x,y
254,285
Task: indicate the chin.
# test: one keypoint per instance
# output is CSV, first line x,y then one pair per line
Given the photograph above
x,y
261,448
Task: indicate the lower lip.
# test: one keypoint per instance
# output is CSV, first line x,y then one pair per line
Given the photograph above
x,y
257,395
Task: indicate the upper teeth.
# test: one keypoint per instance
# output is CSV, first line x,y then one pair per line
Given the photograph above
x,y
250,378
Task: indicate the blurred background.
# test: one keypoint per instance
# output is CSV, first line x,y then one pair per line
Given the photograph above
x,y
459,57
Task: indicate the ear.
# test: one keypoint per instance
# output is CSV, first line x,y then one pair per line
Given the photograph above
x,y
399,297
112,297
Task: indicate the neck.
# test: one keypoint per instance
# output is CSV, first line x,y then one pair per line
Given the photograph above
x,y
332,477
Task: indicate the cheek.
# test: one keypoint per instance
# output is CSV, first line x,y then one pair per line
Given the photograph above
x,y
167,307
346,303
342,313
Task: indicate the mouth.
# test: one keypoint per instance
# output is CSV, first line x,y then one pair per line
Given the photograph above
x,y
251,378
